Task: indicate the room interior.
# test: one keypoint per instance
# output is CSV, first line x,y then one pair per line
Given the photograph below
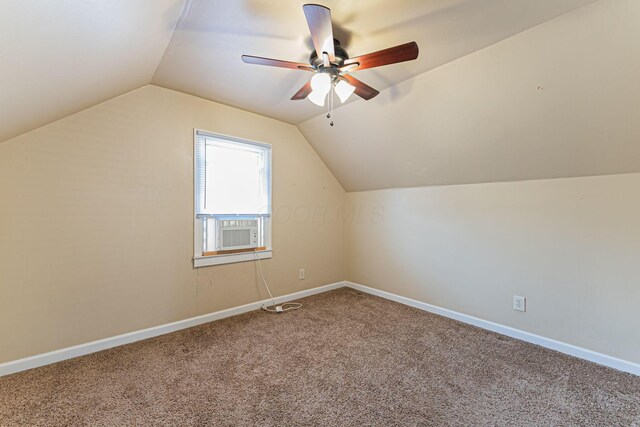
x,y
454,243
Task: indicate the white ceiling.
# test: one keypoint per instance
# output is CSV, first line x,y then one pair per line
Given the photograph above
x,y
203,57
61,56
485,101
559,100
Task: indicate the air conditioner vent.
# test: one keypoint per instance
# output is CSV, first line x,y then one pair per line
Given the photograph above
x,y
235,238
238,234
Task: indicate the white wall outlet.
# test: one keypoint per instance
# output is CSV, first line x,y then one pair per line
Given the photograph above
x,y
302,274
519,303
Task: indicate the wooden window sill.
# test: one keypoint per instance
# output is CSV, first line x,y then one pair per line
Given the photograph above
x,y
234,251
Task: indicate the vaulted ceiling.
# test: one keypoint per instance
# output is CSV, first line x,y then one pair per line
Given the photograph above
x,y
203,57
62,56
59,57
559,100
502,89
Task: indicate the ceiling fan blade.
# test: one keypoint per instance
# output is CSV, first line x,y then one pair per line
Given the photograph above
x,y
258,60
319,20
392,55
348,68
303,92
363,90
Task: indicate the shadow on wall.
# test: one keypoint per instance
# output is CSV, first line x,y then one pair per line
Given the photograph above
x,y
395,90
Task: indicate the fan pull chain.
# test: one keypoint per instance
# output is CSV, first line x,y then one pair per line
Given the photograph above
x,y
330,106
331,101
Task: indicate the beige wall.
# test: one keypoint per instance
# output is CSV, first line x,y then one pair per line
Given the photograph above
x,y
570,246
96,222
96,235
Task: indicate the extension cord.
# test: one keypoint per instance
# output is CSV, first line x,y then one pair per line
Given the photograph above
x,y
281,308
277,308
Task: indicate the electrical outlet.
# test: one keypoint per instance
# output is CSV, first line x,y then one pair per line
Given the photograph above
x,y
302,275
519,303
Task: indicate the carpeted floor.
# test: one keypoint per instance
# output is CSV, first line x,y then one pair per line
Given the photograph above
x,y
344,359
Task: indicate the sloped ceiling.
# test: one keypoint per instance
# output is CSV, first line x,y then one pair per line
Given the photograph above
x,y
559,100
502,90
203,57
61,56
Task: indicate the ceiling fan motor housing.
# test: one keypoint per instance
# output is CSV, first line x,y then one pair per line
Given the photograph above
x,y
340,54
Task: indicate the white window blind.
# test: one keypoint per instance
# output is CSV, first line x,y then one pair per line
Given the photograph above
x,y
233,177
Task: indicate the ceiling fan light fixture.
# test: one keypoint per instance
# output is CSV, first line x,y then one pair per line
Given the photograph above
x,y
344,90
317,97
321,83
331,64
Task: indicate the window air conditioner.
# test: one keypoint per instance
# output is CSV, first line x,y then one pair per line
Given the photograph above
x,y
237,234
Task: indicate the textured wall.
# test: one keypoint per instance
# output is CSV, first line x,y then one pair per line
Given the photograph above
x,y
96,221
570,246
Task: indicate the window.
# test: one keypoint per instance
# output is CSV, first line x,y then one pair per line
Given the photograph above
x,y
232,199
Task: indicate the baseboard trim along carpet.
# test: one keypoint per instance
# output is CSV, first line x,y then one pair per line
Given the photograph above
x,y
572,350
103,344
106,343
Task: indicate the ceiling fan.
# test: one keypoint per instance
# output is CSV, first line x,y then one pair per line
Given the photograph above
x,y
331,64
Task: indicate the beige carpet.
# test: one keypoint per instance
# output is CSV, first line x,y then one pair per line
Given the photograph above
x,y
345,359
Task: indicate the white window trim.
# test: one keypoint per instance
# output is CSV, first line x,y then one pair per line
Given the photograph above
x,y
205,261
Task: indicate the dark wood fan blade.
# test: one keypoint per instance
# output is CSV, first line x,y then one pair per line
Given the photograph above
x,y
363,90
258,60
303,92
392,55
319,20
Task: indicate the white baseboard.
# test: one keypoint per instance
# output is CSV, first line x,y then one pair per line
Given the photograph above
x,y
103,344
572,350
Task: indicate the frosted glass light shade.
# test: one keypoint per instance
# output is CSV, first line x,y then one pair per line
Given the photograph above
x,y
344,90
321,83
317,97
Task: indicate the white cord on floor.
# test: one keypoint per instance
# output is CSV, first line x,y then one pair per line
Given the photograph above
x,y
287,306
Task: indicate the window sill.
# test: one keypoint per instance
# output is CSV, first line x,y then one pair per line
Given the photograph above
x,y
205,261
